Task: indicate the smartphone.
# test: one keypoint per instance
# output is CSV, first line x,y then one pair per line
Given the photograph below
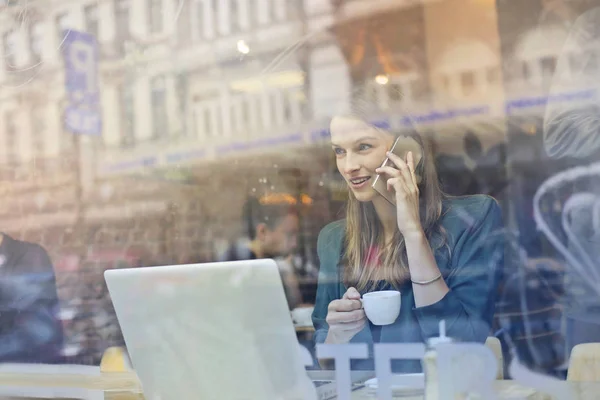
x,y
402,145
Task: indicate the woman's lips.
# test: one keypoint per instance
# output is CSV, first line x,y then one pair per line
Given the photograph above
x,y
360,182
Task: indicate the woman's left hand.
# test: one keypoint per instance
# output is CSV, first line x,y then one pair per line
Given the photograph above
x,y
403,181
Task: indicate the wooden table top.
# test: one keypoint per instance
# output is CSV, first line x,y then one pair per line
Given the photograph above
x,y
114,385
304,328
126,386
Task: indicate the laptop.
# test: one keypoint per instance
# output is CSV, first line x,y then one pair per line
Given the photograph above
x,y
212,331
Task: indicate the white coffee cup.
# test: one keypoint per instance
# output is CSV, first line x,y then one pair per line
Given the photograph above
x,y
383,307
302,316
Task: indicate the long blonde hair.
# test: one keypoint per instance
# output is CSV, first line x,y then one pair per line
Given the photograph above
x,y
364,232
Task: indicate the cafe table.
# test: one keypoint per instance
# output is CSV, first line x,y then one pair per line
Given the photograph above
x,y
126,386
67,382
508,390
504,390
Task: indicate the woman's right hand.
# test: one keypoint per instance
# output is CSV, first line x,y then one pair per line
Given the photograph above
x,y
345,317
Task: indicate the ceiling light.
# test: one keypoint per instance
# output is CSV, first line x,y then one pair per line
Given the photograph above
x,y
382,79
242,47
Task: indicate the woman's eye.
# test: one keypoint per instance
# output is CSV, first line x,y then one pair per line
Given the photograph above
x,y
338,151
363,147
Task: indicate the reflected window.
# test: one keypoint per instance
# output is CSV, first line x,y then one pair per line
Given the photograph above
x,y
214,12
526,70
127,115
493,75
207,115
62,24
395,92
91,19
260,122
275,109
9,44
36,37
198,18
302,103
236,113
122,33
208,122
246,111
467,82
181,98
10,136
38,118
548,65
272,9
184,19
288,114
155,15
159,107
234,16
243,119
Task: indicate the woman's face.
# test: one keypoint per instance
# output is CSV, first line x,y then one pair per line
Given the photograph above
x,y
359,149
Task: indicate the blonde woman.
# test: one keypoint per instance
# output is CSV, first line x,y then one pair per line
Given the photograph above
x,y
430,247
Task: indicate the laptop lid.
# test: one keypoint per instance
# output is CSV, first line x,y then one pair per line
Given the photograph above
x,y
210,331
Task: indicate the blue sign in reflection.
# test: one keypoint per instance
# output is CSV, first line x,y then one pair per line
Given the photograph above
x,y
318,135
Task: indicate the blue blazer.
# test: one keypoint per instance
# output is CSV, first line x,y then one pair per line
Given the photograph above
x,y
30,330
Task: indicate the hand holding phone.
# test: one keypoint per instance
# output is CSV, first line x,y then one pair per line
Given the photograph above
x,y
402,145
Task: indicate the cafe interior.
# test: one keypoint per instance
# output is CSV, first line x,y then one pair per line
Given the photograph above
x,y
475,77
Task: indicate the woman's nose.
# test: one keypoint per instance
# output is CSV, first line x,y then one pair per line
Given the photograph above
x,y
351,164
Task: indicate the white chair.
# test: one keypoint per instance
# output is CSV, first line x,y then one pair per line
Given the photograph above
x,y
584,363
494,344
115,359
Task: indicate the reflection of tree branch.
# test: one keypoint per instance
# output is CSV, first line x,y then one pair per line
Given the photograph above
x,y
384,57
358,53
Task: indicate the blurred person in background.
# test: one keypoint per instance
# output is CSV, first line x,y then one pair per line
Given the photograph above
x,y
272,231
572,137
30,330
432,248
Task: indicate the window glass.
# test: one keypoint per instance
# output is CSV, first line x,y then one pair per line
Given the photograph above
x,y
193,190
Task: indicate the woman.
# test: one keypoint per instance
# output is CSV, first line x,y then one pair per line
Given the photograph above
x,y
430,247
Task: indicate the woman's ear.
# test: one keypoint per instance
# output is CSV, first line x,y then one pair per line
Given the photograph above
x,y
419,170
418,160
